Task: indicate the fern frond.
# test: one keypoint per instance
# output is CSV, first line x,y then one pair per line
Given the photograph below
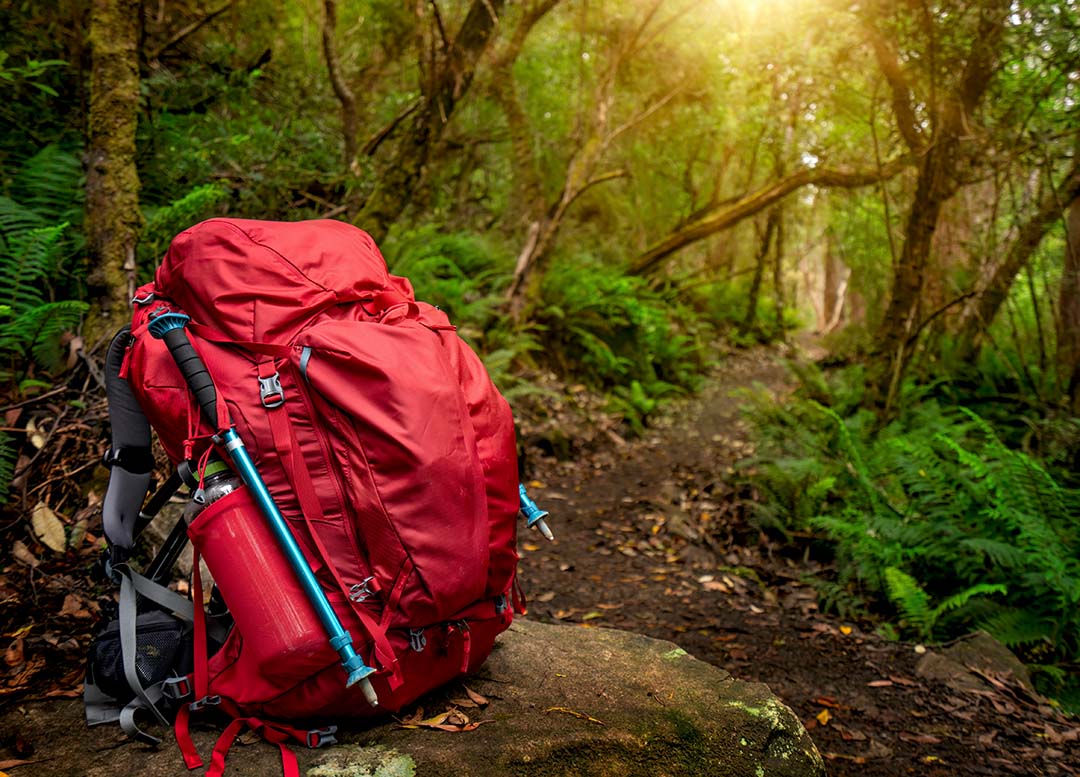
x,y
50,183
908,596
31,258
9,454
37,331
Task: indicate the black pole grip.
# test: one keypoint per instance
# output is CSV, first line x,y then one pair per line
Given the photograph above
x,y
194,372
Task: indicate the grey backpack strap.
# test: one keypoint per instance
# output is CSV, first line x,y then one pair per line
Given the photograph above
x,y
100,707
130,458
129,652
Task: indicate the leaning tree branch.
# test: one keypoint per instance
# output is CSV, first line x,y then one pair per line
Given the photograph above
x,y
755,202
186,31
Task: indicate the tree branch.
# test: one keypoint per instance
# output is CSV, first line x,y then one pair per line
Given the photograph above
x,y
757,201
184,32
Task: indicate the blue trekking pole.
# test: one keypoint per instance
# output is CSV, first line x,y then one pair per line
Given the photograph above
x,y
170,328
534,516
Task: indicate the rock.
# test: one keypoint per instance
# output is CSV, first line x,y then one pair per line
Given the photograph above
x,y
564,700
953,664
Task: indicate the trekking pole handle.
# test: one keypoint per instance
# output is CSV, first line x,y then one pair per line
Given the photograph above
x,y
170,328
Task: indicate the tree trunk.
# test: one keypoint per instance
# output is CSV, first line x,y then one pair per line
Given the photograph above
x,y
750,318
778,274
830,300
349,120
113,219
399,177
1068,323
978,315
942,148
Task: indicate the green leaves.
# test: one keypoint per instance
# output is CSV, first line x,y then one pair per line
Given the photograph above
x,y
933,515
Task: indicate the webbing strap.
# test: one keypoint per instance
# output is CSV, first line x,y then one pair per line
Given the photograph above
x,y
288,449
271,732
128,649
466,647
202,661
182,732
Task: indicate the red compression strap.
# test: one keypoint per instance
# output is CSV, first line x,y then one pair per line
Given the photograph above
x,y
466,648
395,594
288,450
221,748
202,664
183,739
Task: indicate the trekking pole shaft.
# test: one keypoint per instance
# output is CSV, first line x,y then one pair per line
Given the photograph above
x,y
340,639
170,328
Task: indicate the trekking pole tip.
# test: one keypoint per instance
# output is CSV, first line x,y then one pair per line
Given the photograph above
x,y
542,527
366,688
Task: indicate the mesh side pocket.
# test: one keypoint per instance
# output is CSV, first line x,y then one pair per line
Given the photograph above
x,y
163,648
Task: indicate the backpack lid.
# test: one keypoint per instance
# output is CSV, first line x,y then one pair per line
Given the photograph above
x,y
261,281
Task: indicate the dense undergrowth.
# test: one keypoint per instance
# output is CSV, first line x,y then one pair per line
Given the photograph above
x,y
942,521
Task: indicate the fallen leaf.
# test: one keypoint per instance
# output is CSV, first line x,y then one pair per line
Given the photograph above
x,y
14,656
12,764
823,717
477,699
903,680
68,693
845,630
24,554
545,597
73,606
48,528
880,683
435,721
531,547
592,615
922,739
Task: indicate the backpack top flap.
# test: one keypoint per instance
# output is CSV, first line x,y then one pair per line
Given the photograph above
x,y
261,281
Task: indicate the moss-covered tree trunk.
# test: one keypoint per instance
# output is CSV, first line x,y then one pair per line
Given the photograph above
x,y
113,219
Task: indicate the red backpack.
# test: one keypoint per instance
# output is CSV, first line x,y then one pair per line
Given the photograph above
x,y
380,437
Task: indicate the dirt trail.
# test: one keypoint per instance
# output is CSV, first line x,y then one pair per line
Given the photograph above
x,y
652,537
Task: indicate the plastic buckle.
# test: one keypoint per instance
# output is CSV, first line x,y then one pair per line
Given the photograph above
x,y
321,737
361,592
176,688
417,640
501,604
270,391
204,702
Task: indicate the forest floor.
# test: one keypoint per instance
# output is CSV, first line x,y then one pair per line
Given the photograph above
x,y
652,536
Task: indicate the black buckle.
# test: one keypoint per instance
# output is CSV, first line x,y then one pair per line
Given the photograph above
x,y
321,737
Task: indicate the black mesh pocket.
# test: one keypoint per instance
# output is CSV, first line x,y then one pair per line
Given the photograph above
x,y
163,649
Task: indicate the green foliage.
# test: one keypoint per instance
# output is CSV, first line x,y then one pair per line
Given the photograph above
x,y
934,515
164,223
613,331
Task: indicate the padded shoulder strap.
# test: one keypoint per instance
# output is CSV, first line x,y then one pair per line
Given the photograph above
x,y
129,457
